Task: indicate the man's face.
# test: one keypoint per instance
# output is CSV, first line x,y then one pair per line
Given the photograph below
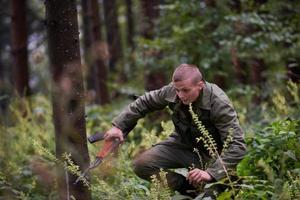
x,y
187,90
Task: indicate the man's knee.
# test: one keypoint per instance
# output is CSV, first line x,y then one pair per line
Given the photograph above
x,y
143,168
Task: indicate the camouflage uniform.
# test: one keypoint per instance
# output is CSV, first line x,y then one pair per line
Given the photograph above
x,y
216,113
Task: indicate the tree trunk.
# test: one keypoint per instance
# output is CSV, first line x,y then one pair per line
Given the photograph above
x,y
235,6
151,12
220,80
19,47
1,69
96,52
239,67
210,3
153,79
219,76
257,68
130,24
112,32
293,70
87,41
67,94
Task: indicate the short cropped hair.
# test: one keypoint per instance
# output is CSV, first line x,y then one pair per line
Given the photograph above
x,y
187,71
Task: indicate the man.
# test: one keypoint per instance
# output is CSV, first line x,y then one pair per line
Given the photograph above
x,y
216,113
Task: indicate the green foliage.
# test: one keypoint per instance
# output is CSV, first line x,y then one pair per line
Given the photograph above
x,y
128,185
270,169
187,31
274,156
31,121
159,188
211,146
207,139
195,32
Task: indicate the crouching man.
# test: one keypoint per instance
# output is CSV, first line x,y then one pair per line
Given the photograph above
x,y
216,113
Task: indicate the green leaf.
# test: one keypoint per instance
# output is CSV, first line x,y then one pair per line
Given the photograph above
x,y
290,154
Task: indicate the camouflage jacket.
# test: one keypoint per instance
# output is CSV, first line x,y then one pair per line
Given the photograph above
x,y
215,112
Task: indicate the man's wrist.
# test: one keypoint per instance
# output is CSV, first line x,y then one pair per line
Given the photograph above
x,y
117,126
212,179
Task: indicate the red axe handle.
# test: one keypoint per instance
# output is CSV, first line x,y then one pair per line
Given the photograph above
x,y
108,147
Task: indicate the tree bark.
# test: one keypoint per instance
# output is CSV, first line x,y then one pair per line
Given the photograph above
x,y
257,66
153,79
293,70
130,24
219,76
98,48
210,3
96,52
239,67
112,32
67,94
151,12
235,5
1,69
19,47
87,40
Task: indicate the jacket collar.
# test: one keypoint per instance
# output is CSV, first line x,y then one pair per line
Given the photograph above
x,y
171,95
204,99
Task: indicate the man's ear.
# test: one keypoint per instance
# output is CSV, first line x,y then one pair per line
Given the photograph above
x,y
201,84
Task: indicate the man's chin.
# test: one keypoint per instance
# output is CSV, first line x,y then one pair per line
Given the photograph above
x,y
185,102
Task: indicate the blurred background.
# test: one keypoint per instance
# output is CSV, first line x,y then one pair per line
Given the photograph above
x,y
68,67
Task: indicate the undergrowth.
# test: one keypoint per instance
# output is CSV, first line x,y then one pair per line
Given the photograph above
x,y
270,170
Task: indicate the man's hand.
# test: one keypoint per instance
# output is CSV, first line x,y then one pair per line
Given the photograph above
x,y
114,133
196,176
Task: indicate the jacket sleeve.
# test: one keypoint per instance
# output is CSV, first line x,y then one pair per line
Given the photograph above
x,y
150,101
225,118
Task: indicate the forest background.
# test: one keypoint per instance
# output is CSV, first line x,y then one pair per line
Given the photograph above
x,y
68,67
